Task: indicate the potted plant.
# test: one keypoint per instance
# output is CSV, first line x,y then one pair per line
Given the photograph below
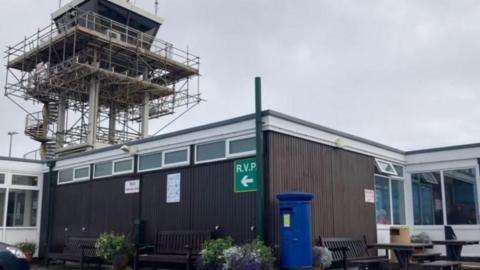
x,y
322,257
28,248
114,248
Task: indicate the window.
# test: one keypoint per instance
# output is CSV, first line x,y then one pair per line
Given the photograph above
x,y
24,180
461,202
123,166
242,146
3,193
385,167
211,151
22,208
2,178
150,161
65,176
427,198
103,169
82,173
398,202
399,170
176,157
389,200
382,200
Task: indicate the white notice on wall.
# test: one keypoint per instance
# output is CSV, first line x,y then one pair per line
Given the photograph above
x,y
132,186
369,196
173,188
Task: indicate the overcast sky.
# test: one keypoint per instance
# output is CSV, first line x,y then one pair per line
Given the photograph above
x,y
403,73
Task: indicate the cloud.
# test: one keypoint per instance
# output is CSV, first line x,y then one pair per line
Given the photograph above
x,y
403,73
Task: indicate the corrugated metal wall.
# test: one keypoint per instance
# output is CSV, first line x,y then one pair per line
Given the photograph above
x,y
336,177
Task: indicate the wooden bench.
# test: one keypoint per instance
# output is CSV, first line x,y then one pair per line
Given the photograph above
x,y
77,249
179,248
425,256
351,252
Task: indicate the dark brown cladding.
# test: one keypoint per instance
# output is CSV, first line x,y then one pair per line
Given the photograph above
x,y
335,176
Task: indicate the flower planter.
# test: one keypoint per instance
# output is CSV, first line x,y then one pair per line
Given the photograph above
x,y
29,256
120,262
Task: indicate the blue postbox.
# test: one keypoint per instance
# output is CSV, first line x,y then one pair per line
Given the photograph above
x,y
295,230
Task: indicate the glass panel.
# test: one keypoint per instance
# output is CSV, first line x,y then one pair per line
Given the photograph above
x,y
399,170
103,169
382,200
461,201
22,208
65,176
3,193
427,198
244,145
176,156
123,166
24,180
150,161
386,167
398,202
211,151
82,173
2,179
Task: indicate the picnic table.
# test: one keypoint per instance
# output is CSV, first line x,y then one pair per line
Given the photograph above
x,y
403,251
454,247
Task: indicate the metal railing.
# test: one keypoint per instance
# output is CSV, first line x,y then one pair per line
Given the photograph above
x,y
111,29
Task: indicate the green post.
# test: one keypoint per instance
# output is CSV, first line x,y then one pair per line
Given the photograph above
x,y
259,138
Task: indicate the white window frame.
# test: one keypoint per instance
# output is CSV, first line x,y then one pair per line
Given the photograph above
x,y
380,169
103,176
81,178
121,160
390,195
210,160
240,154
176,164
58,176
151,169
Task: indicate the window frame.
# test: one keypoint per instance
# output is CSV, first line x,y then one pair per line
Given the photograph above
x,y
68,182
214,159
81,178
390,195
151,169
239,154
121,160
176,164
380,169
103,176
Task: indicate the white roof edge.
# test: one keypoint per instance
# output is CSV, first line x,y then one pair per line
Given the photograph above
x,y
120,3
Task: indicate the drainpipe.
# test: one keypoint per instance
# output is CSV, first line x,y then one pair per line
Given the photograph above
x,y
48,212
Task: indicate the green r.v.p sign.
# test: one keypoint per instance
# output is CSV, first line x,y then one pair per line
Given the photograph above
x,y
245,174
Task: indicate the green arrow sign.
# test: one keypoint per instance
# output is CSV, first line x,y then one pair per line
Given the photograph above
x,y
245,171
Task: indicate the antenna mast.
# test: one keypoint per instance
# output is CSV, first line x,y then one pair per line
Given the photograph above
x,y
156,7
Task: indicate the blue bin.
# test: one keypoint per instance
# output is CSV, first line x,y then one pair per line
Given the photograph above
x,y
295,230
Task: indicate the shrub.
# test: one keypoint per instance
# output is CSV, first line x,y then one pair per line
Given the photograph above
x,y
212,253
322,257
110,245
27,247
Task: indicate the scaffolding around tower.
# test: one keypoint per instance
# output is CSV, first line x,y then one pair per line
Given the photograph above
x,y
99,81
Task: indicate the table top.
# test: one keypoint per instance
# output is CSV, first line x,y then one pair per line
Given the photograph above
x,y
401,246
456,242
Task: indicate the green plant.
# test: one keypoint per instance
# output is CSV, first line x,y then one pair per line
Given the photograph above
x,y
110,245
27,247
212,252
264,252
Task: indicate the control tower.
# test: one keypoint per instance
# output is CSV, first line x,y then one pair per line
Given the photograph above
x,y
100,75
